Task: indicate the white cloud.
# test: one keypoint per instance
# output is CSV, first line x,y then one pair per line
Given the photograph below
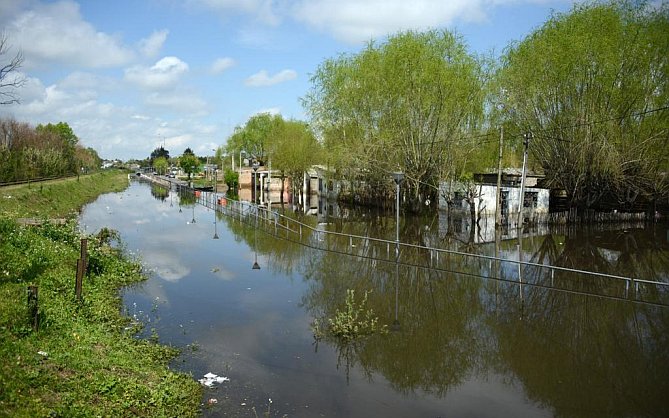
x,y
263,79
163,74
355,21
56,32
261,10
221,65
150,47
179,102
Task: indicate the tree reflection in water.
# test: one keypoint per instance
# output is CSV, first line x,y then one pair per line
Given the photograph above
x,y
578,355
575,354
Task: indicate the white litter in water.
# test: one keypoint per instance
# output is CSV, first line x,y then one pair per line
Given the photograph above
x,y
210,379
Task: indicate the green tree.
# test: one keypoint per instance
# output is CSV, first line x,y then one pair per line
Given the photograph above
x,y
159,152
188,162
160,165
231,179
253,137
409,104
588,84
62,134
294,150
61,130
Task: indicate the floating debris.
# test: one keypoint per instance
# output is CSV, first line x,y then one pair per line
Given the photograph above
x,y
210,379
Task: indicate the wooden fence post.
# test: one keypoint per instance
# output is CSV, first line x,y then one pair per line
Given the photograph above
x,y
33,307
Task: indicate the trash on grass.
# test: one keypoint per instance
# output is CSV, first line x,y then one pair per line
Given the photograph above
x,y
210,379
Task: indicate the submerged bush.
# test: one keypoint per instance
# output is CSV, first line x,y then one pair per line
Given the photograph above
x,y
350,323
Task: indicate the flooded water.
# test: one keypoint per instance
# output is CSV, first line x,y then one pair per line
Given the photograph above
x,y
459,343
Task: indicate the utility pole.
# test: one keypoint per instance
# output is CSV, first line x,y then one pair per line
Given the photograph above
x,y
526,142
498,206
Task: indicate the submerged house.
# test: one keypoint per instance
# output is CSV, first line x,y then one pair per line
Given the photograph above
x,y
483,192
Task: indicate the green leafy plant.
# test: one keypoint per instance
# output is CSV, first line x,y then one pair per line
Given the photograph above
x,y
350,323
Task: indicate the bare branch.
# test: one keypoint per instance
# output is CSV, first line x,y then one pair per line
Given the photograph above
x,y
10,79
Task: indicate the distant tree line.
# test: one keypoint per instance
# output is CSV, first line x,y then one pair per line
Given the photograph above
x,y
49,150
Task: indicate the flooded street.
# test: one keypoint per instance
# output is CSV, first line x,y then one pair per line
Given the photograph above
x,y
459,343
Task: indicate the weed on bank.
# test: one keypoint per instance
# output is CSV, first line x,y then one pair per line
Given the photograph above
x,y
63,357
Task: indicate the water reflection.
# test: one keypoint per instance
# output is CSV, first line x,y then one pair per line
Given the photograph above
x,y
460,342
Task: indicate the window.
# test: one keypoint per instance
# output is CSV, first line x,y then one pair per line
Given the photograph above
x,y
531,199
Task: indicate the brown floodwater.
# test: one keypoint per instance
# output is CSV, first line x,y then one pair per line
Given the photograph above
x,y
466,336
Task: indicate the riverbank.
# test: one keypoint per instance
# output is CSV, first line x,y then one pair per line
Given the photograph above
x,y
63,357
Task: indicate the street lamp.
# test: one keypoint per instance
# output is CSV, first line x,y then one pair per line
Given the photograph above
x,y
398,177
395,327
527,137
193,221
180,194
215,230
240,162
256,164
255,266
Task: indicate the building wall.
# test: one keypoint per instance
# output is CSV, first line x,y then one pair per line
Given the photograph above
x,y
486,202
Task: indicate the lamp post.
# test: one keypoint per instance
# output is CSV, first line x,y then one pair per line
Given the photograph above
x,y
193,221
180,194
215,230
526,142
255,266
255,171
398,177
395,327
240,162
211,167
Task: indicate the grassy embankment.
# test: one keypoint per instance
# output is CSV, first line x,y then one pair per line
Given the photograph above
x,y
84,359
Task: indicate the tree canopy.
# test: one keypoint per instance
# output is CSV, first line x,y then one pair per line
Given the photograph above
x,y
159,152
44,151
188,162
409,104
253,137
591,85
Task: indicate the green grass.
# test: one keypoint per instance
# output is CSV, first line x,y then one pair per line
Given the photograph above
x,y
58,198
94,365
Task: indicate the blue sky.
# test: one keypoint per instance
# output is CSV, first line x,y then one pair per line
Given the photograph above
x,y
130,75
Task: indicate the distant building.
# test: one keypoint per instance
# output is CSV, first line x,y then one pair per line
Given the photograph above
x,y
483,192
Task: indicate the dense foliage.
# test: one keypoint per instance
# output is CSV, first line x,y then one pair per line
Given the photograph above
x,y
591,85
409,104
289,146
45,151
188,162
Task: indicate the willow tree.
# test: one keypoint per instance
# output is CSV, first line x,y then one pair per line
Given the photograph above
x,y
409,104
253,137
591,85
293,149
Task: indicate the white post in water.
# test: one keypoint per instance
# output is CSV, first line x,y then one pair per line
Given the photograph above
x,y
526,141
398,177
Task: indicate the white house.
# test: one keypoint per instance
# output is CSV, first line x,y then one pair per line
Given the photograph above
x,y
484,192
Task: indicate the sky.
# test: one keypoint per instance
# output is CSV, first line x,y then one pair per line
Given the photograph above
x,y
131,75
